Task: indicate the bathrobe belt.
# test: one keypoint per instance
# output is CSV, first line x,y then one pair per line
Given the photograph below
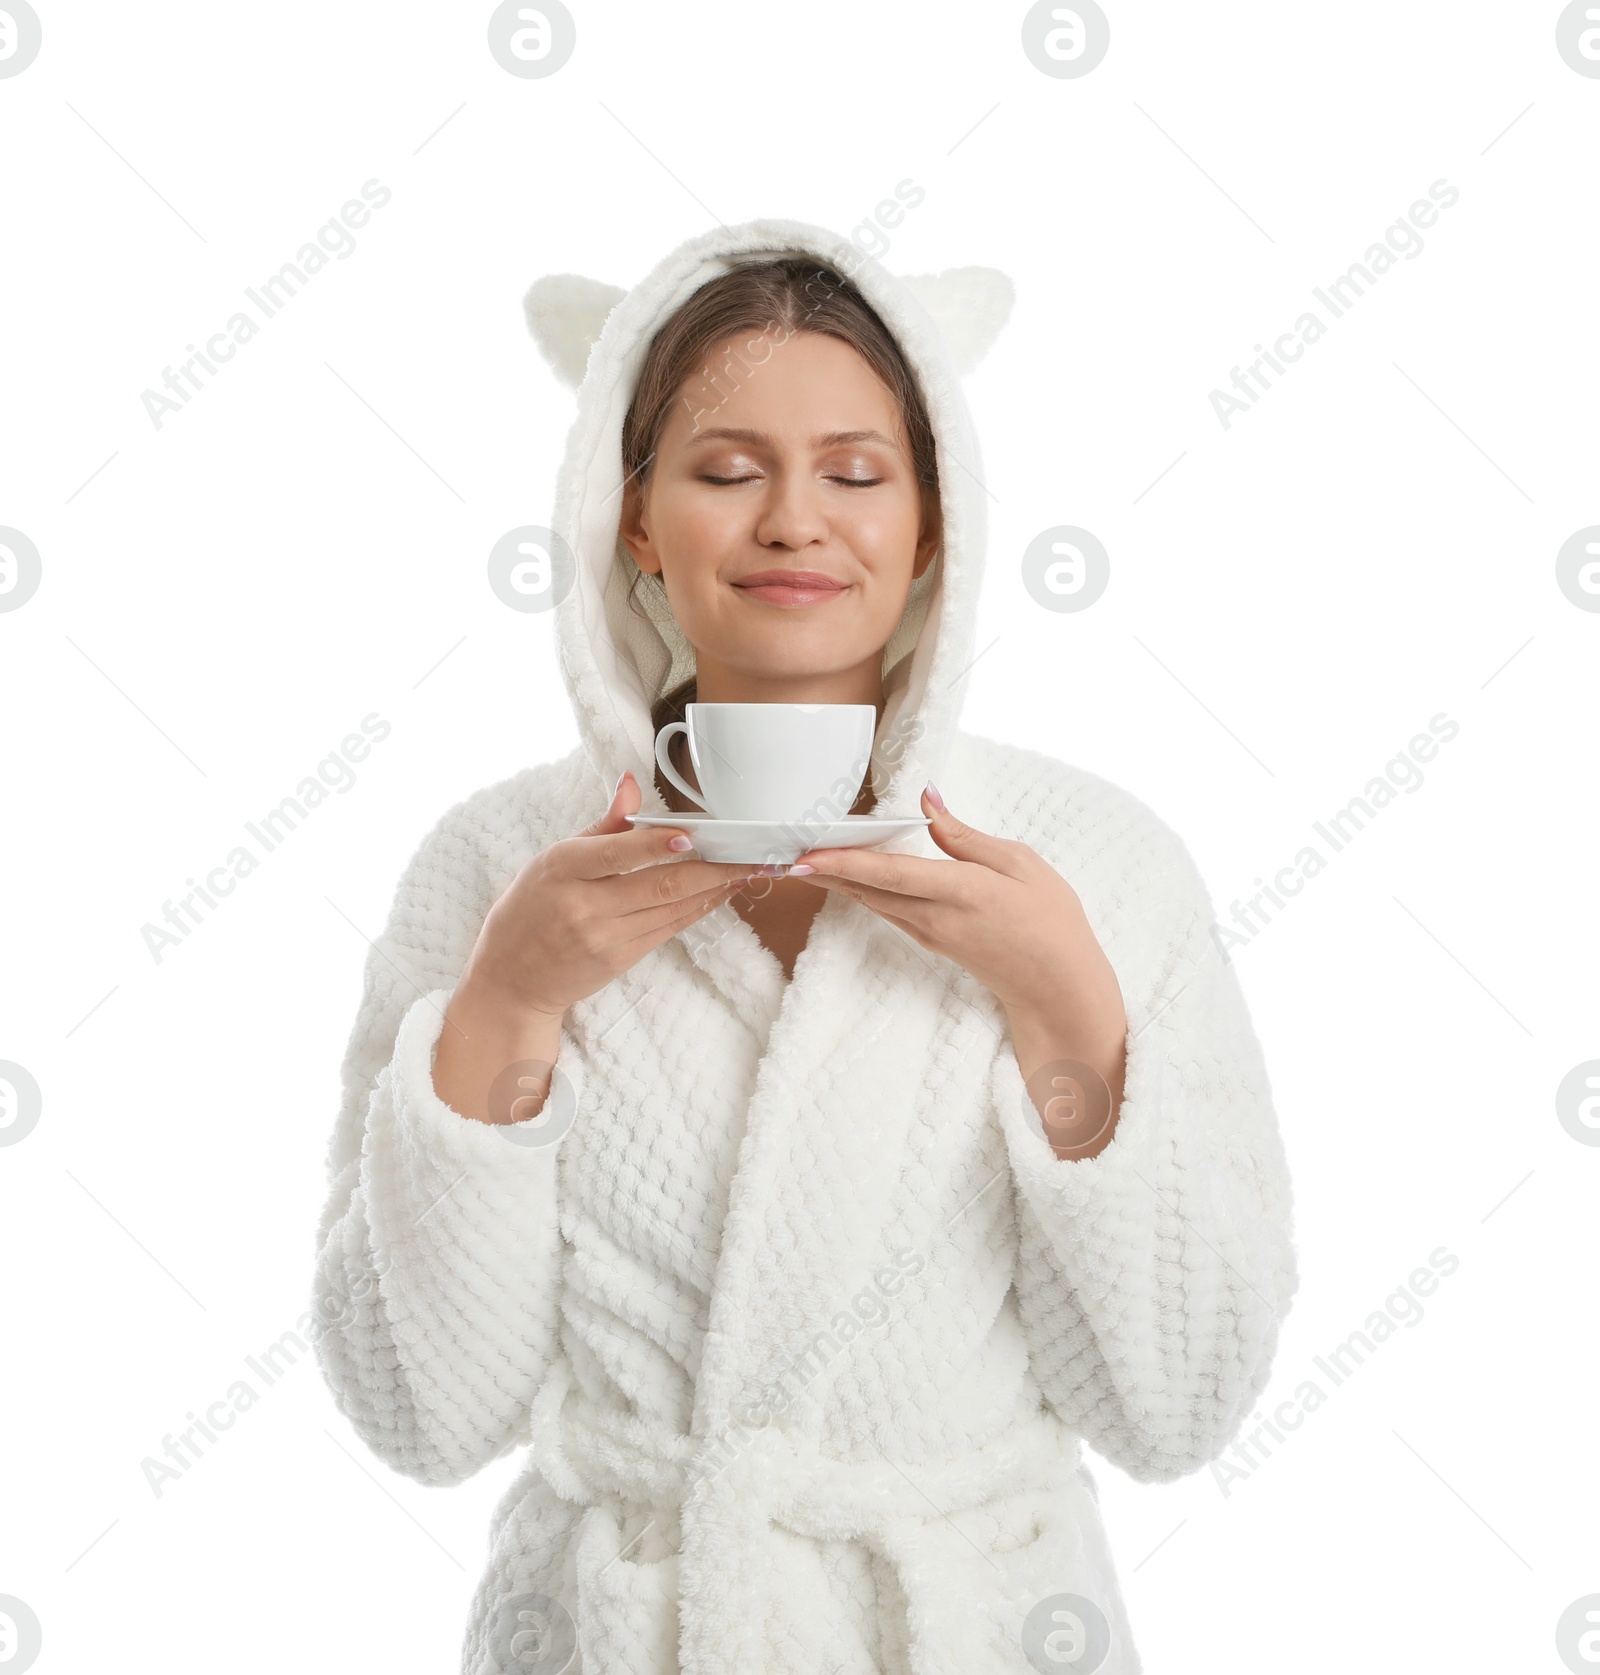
x,y
729,1496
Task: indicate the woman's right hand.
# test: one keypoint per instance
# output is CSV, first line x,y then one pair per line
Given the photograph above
x,y
578,914
587,908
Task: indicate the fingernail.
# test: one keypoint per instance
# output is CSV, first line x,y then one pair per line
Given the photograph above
x,y
800,869
932,793
680,842
618,786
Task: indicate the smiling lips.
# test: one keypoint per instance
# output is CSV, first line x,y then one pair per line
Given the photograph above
x,y
791,587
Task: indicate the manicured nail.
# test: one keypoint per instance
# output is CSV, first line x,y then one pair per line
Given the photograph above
x,y
933,795
618,786
800,869
680,842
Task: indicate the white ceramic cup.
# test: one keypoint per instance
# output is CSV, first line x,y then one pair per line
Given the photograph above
x,y
787,763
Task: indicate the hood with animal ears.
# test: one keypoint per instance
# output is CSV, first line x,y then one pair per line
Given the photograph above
x,y
618,660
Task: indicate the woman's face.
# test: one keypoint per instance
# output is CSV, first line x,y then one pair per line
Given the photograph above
x,y
800,473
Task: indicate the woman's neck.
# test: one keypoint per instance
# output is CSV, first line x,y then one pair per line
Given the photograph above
x,y
718,684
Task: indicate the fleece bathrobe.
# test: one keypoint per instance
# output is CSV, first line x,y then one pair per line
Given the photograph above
x,y
800,1319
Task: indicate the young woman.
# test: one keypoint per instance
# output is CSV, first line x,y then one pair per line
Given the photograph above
x,y
804,1226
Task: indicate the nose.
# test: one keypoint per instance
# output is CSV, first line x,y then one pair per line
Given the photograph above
x,y
791,513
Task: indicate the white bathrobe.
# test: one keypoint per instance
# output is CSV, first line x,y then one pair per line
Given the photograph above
x,y
800,1317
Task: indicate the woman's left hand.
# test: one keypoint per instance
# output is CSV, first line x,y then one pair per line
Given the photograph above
x,y
1004,914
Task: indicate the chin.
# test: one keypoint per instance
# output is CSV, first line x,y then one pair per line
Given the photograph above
x,y
788,662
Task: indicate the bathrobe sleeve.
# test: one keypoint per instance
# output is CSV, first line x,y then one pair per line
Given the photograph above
x,y
1152,1278
439,1249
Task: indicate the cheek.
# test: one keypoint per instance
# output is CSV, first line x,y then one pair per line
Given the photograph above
x,y
884,535
692,528
711,518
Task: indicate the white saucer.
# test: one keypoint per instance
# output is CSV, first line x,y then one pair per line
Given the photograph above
x,y
780,842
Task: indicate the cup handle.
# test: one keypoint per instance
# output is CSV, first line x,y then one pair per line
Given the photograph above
x,y
663,739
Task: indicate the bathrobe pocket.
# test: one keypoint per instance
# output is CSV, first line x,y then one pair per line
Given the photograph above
x,y
1025,1583
627,1600
524,1612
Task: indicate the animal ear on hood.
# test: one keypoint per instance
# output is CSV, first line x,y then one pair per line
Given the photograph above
x,y
565,313
969,305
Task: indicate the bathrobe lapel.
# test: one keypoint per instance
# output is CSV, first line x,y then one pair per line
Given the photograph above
x,y
818,1202
845,1054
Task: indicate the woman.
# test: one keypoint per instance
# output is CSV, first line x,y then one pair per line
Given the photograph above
x,y
804,1227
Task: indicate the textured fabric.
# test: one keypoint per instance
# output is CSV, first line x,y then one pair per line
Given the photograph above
x,y
801,1321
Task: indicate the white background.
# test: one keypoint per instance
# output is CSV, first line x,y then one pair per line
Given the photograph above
x,y
225,597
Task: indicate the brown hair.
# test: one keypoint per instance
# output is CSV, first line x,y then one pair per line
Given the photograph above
x,y
794,294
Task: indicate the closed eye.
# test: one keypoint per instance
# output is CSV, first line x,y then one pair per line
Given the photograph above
x,y
849,482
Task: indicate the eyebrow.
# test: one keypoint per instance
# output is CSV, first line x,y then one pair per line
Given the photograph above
x,y
760,438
